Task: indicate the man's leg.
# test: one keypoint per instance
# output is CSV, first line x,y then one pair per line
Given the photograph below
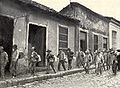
x,y
59,63
52,66
34,68
48,68
2,71
68,64
63,65
13,68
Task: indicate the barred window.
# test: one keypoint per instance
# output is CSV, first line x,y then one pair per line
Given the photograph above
x,y
63,38
95,42
105,43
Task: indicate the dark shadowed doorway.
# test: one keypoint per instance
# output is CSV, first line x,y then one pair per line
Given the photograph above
x,y
6,35
37,38
83,40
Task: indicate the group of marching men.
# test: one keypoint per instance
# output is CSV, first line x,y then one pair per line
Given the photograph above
x,y
101,59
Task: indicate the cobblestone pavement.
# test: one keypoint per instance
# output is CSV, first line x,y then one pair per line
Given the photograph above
x,y
78,80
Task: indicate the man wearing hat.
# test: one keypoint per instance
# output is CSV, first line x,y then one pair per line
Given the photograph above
x,y
87,60
61,57
33,61
50,61
3,61
70,58
15,56
99,62
79,59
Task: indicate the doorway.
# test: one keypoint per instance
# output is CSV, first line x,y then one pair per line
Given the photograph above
x,y
6,36
83,40
95,42
37,38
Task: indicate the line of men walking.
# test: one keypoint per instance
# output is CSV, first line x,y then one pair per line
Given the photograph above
x,y
4,60
62,59
101,59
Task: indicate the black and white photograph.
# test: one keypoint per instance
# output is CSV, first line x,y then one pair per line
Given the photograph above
x,y
59,43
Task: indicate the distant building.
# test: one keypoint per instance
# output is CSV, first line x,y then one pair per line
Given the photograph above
x,y
114,33
93,29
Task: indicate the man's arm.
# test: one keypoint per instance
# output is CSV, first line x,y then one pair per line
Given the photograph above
x,y
17,56
6,57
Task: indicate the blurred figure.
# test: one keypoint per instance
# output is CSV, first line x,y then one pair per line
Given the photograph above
x,y
61,57
50,61
33,61
70,58
15,57
114,63
108,60
99,61
87,61
80,58
114,67
105,59
94,57
91,53
118,59
3,61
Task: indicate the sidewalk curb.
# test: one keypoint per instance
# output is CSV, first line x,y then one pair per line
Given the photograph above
x,y
22,81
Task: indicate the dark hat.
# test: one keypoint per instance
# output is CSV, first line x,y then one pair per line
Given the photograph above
x,y
68,49
60,49
48,50
14,46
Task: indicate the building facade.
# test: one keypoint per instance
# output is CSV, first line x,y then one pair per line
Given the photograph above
x,y
93,29
114,33
27,24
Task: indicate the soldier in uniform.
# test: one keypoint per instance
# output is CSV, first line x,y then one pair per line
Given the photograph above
x,y
108,64
70,58
87,61
3,61
50,61
15,56
33,61
80,57
61,57
99,62
114,63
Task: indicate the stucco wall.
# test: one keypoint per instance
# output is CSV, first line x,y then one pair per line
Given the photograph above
x,y
14,10
90,21
114,27
23,16
17,14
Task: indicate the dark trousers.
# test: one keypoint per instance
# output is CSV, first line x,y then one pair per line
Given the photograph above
x,y
118,65
61,62
50,64
114,68
69,64
2,69
13,68
108,66
32,67
99,68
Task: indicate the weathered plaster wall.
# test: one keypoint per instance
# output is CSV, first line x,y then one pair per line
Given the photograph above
x,y
90,21
114,27
14,10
